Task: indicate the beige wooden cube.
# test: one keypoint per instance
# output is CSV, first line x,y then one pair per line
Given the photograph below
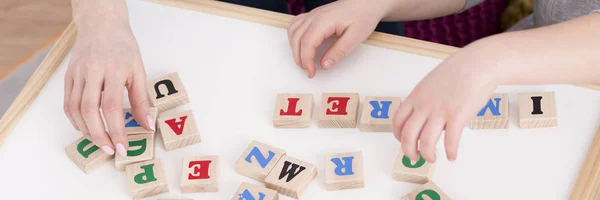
x,y
258,160
537,110
147,179
291,177
427,191
167,92
133,127
494,115
248,191
419,172
338,110
141,148
178,130
200,174
293,110
344,171
87,156
377,113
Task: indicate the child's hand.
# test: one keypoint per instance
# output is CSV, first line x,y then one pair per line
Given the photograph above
x,y
351,20
446,99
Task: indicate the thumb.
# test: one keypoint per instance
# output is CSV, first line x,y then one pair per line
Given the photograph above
x,y
138,98
340,49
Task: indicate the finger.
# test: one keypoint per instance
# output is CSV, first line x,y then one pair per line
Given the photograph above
x,y
400,116
90,111
296,22
314,36
344,45
451,139
66,99
410,134
138,98
429,137
112,108
75,105
296,42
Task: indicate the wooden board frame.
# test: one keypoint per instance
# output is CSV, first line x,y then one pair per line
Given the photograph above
x,y
587,186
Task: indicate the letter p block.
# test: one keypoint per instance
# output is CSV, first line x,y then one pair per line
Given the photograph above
x,y
147,179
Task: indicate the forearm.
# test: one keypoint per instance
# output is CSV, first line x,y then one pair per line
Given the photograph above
x,y
407,10
104,13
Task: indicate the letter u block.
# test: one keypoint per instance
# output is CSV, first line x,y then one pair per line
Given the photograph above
x,y
200,174
344,171
427,191
291,177
419,172
141,148
258,160
537,110
87,156
494,115
167,92
338,110
293,111
377,114
147,179
248,191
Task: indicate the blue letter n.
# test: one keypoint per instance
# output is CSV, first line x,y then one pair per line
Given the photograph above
x,y
382,111
494,108
259,157
342,169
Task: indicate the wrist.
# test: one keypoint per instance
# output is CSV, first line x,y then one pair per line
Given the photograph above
x,y
92,16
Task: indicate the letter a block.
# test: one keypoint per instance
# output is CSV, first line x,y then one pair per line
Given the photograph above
x,y
344,171
141,148
291,177
427,191
147,179
200,174
248,191
537,110
419,172
338,110
293,110
167,92
86,155
133,127
494,115
258,160
178,130
377,114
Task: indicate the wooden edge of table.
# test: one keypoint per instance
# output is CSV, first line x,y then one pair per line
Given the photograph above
x,y
584,189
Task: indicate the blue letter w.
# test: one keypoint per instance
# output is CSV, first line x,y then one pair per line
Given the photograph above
x,y
490,104
259,157
342,169
380,111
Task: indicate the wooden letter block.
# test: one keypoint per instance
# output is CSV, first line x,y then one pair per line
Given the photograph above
x,y
494,115
258,160
427,191
344,171
86,155
293,111
147,179
419,172
377,114
537,110
338,110
248,191
200,174
133,127
291,177
141,148
178,130
167,92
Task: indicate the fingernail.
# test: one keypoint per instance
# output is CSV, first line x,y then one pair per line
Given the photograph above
x,y
108,150
121,150
307,73
328,63
150,122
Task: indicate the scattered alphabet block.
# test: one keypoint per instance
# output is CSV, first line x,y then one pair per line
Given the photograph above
x,y
178,130
146,179
419,172
377,114
87,156
258,160
248,191
167,92
133,127
537,110
200,174
338,110
291,177
141,148
293,110
427,191
344,171
494,115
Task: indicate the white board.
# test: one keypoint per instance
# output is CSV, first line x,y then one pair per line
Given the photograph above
x,y
232,70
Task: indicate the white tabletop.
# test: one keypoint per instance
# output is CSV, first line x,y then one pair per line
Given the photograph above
x,y
232,71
